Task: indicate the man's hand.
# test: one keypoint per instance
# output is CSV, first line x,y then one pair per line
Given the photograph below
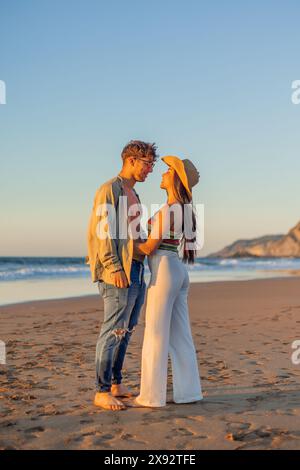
x,y
119,279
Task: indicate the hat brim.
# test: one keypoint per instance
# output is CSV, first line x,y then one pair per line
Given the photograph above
x,y
177,164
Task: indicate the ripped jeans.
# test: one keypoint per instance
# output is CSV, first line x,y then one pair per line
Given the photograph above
x,y
122,307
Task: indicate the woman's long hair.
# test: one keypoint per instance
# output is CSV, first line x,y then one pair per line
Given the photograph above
x,y
183,198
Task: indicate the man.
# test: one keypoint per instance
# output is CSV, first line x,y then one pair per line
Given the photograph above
x,y
119,273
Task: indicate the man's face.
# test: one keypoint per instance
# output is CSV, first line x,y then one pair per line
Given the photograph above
x,y
142,168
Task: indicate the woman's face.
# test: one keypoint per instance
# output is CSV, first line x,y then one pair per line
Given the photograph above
x,y
167,179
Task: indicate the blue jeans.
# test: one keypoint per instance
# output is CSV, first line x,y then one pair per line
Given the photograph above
x,y
122,308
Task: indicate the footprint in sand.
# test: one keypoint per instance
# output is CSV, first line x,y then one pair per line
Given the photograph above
x,y
103,440
34,432
131,438
86,421
182,432
238,431
263,437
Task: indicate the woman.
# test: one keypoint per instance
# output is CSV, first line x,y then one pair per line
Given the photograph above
x,y
168,328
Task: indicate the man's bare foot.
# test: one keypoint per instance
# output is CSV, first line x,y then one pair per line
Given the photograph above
x,y
119,390
107,401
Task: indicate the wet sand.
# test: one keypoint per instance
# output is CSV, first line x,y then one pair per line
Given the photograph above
x,y
243,332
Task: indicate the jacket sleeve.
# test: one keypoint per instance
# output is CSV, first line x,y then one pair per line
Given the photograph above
x,y
107,248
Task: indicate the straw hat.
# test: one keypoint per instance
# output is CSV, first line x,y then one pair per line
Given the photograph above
x,y
186,170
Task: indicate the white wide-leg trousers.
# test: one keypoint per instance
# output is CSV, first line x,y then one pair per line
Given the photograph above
x,y
168,331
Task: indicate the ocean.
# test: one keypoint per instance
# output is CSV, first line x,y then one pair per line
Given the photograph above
x,y
35,278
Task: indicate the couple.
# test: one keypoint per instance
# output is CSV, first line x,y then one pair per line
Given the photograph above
x,y
117,265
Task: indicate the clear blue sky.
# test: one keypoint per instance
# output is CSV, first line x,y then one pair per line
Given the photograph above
x,y
210,81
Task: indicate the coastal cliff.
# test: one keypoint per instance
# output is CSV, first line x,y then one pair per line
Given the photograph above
x,y
287,245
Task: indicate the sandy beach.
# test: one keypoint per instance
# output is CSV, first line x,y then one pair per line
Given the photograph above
x,y
243,332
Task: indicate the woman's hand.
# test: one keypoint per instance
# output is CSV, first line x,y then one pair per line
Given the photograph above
x,y
136,251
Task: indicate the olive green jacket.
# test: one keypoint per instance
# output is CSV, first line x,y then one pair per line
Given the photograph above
x,y
108,255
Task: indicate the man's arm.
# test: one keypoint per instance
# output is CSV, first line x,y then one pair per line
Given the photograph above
x,y
107,248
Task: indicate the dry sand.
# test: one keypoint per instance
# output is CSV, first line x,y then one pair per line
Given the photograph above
x,y
243,333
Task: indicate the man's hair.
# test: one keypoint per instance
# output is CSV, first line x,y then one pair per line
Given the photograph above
x,y
139,149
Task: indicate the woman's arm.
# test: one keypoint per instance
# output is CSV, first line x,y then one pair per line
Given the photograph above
x,y
159,228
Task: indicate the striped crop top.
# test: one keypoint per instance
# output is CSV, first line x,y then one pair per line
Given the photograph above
x,y
172,240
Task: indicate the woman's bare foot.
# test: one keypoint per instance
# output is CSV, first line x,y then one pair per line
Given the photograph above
x,y
107,401
119,390
132,403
